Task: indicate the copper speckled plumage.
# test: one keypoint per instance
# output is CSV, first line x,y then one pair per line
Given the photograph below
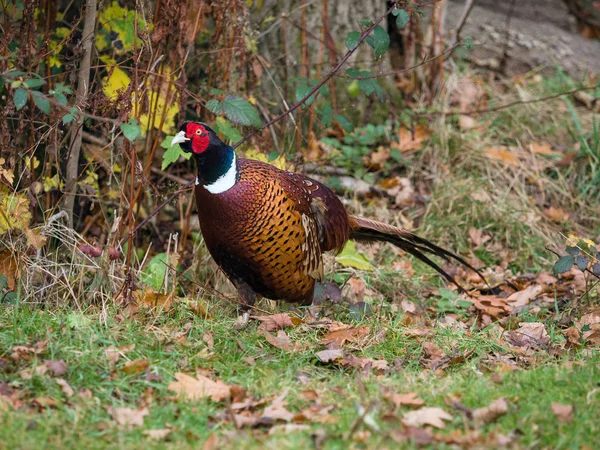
x,y
267,229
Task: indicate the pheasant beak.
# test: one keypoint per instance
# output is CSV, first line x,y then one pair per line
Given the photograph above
x,y
179,138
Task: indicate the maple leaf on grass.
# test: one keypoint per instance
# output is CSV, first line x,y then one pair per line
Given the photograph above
x,y
407,399
200,387
282,341
340,337
426,416
490,413
128,417
277,321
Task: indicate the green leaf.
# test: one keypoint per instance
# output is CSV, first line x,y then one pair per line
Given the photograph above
x,y
41,102
34,82
273,156
131,130
350,257
3,282
326,113
396,155
352,40
240,111
596,269
582,262
229,132
70,116
153,274
344,123
402,18
215,91
215,106
366,22
573,251
20,98
172,152
381,39
302,91
564,264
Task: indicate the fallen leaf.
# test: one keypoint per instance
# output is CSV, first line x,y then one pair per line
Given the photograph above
x,y
277,321
209,340
288,428
339,337
154,300
408,399
364,363
466,122
157,434
490,413
196,388
407,140
564,413
477,237
9,267
57,368
543,149
282,341
128,417
529,335
330,355
556,214
277,410
64,387
426,416
502,154
136,366
492,305
522,298
211,443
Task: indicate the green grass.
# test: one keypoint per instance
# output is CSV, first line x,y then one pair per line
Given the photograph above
x,y
572,378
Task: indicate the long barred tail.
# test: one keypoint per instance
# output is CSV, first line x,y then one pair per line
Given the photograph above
x,y
368,230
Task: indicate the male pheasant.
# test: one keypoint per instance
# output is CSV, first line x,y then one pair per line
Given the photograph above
x,y
267,228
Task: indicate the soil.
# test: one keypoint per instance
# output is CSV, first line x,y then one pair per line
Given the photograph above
x,y
541,34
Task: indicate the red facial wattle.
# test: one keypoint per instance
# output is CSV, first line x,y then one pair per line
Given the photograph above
x,y
199,137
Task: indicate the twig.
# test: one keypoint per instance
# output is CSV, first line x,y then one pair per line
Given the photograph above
x,y
83,80
463,19
507,27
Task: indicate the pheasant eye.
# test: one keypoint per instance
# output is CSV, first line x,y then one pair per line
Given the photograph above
x,y
199,132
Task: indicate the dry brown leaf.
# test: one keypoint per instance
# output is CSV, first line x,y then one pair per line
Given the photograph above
x,y
556,214
9,267
408,399
282,341
502,154
477,236
426,416
378,158
491,305
490,413
564,413
529,335
543,149
364,363
403,192
196,388
330,355
26,351
357,289
522,298
340,337
64,387
211,443
136,366
151,299
277,321
157,434
128,417
57,368
34,238
408,307
408,141
466,122
277,410
209,340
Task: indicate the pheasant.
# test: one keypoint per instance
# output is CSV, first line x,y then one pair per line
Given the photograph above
x,y
267,228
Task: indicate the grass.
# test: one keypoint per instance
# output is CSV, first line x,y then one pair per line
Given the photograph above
x,y
85,422
80,329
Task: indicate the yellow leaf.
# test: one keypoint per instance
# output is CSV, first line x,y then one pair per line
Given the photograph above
x,y
15,212
116,81
350,257
502,154
254,153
